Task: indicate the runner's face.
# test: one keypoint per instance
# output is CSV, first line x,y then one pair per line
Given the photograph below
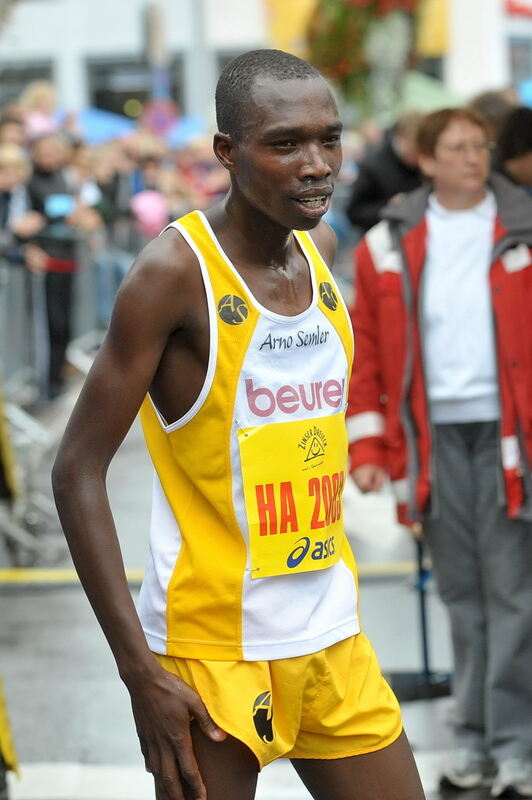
x,y
290,153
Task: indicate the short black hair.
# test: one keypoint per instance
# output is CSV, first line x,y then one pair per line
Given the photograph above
x,y
515,137
494,105
237,79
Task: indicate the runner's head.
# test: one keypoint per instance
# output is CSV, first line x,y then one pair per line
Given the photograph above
x,y
235,86
279,136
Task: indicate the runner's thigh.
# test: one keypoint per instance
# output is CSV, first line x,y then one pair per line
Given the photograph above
x,y
387,774
229,769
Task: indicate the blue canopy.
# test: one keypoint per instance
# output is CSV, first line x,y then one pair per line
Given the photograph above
x,y
184,130
524,90
97,126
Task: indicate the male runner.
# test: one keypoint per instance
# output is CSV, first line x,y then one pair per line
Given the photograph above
x,y
231,335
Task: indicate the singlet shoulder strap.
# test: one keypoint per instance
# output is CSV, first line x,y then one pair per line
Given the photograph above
x,y
330,299
222,275
307,243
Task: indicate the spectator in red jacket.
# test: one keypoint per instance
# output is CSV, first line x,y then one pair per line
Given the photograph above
x,y
441,401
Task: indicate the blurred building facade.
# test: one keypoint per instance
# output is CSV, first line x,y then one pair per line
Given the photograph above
x,y
490,44
98,53
478,44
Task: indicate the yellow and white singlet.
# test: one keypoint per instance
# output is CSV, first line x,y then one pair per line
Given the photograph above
x,y
248,556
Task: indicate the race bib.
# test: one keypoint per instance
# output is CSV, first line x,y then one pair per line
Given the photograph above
x,y
294,475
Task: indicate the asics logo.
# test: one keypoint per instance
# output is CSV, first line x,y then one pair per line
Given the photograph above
x,y
321,551
298,553
288,399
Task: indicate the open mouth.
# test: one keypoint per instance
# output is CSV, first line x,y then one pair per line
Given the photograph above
x,y
314,202
315,205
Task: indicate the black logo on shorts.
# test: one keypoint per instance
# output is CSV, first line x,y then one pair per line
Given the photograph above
x,y
232,309
328,296
263,716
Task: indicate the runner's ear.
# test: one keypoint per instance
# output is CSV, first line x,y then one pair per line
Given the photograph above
x,y
223,150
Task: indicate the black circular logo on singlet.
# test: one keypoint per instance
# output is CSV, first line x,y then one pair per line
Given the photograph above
x,y
232,309
328,295
263,716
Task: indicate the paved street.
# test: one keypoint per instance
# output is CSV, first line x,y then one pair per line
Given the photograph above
x,y
70,713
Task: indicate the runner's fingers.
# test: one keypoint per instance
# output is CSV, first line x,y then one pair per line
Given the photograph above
x,y
167,783
153,761
167,789
163,791
160,790
189,771
144,751
205,721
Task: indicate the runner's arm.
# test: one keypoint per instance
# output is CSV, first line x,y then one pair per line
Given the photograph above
x,y
151,305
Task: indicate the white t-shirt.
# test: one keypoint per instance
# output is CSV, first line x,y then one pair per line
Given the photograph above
x,y
458,331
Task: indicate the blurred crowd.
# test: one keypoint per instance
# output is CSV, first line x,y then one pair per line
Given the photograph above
x,y
66,202
440,399
386,162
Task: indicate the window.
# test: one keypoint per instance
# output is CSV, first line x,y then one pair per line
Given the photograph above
x,y
433,67
520,58
113,82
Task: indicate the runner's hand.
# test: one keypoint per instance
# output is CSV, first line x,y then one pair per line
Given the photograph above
x,y
163,707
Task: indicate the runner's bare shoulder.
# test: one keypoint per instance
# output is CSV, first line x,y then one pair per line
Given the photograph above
x,y
163,284
325,240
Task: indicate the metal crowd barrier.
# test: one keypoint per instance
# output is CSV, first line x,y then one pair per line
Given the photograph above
x,y
35,427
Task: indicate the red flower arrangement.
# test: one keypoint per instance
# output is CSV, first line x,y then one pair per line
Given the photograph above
x,y
382,7
336,36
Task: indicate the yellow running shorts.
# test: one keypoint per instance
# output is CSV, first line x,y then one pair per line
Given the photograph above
x,y
330,704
